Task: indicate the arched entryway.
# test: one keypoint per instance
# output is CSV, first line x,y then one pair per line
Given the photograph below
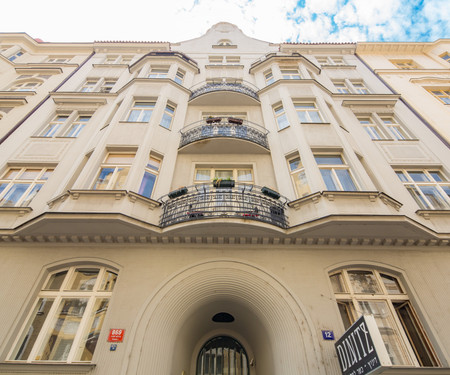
x,y
178,320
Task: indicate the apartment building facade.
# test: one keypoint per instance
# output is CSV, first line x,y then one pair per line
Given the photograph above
x,y
222,205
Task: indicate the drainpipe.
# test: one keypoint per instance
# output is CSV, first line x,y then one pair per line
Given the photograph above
x,y
45,99
425,122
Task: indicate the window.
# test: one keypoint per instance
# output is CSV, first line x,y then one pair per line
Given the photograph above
x,y
443,95
268,76
327,60
62,124
241,175
224,42
107,85
360,88
429,188
341,87
367,291
141,112
159,72
114,171
215,59
15,56
58,59
281,117
405,64
308,112
372,129
222,355
25,86
335,173
65,323
179,77
298,176
446,56
150,176
167,118
290,73
232,59
394,128
18,186
89,85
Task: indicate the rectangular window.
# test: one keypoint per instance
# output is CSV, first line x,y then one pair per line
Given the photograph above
x,y
281,117
77,126
405,64
308,112
179,77
150,175
429,188
241,175
341,87
114,171
59,60
268,76
159,72
371,128
394,128
63,124
107,85
89,85
298,176
443,95
15,56
54,126
141,112
335,173
215,59
290,73
233,59
18,186
25,86
446,56
360,88
167,118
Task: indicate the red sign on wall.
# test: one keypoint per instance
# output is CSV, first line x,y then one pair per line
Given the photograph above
x,y
116,335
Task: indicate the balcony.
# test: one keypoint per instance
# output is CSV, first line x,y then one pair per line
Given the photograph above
x,y
225,92
222,128
245,202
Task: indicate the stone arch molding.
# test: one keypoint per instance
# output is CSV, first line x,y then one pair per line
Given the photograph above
x,y
293,340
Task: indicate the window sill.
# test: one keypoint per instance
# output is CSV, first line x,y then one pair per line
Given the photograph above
x,y
133,122
315,123
18,210
46,368
427,213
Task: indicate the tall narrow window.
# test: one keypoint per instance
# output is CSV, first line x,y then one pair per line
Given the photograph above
x,y
107,85
18,186
281,117
367,291
66,320
150,176
222,355
167,118
299,177
429,188
141,112
308,112
179,77
54,126
335,173
397,131
114,171
371,128
268,76
77,126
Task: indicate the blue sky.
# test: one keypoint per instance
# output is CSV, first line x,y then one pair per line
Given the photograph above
x,y
269,20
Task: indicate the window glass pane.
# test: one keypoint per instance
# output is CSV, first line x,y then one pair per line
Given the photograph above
x,y
401,176
14,194
337,283
84,279
90,337
363,282
434,196
418,176
147,184
166,121
315,116
391,284
437,176
417,196
134,115
328,159
345,180
122,174
244,175
55,281
31,194
384,320
203,175
295,164
346,315
109,281
301,183
37,319
223,174
328,178
11,174
30,174
59,339
103,178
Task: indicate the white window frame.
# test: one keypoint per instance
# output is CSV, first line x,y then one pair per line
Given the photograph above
x,y
215,172
159,72
268,77
341,87
290,72
441,187
26,85
58,60
407,64
90,85
168,116
351,299
308,110
371,127
330,60
443,95
387,126
143,108
179,76
7,184
117,174
280,116
62,124
334,171
298,176
152,168
107,85
100,291
359,87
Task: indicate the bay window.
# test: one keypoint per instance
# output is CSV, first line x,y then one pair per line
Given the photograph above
x,y
150,176
335,173
114,171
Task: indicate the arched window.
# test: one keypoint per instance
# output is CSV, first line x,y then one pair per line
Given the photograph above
x,y
371,292
222,355
224,42
67,317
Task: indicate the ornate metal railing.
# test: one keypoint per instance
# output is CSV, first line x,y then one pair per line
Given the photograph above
x,y
201,202
240,86
227,127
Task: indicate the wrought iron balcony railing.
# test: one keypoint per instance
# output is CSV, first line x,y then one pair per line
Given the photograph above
x,y
239,86
244,201
224,127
